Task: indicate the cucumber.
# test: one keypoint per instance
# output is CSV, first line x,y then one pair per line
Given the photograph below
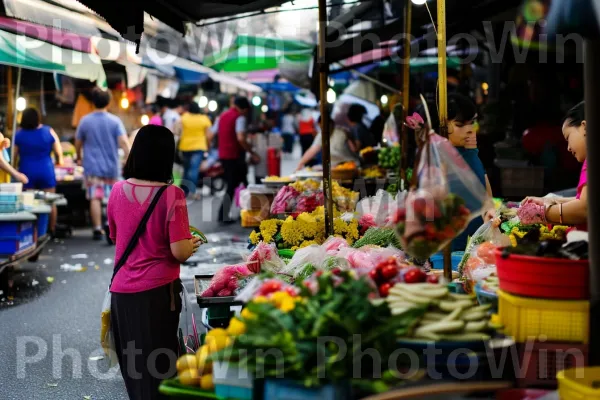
x,y
435,293
413,298
477,316
478,326
434,316
465,337
442,326
400,310
449,306
460,296
427,335
453,315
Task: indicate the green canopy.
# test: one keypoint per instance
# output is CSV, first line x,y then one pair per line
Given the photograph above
x,y
35,54
251,53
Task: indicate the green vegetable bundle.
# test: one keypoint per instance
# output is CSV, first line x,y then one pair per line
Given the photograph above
x,y
389,157
382,237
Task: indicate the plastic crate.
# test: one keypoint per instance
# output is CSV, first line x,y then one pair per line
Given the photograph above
x,y
487,297
16,236
579,383
232,382
11,207
540,363
555,320
276,389
437,260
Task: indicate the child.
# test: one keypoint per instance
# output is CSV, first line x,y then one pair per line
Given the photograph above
x,y
6,170
562,210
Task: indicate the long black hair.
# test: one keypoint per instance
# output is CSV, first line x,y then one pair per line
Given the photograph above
x,y
30,119
152,155
576,115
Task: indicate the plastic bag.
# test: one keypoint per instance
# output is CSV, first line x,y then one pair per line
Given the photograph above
x,y
367,258
334,244
479,260
188,332
225,281
446,198
284,200
375,210
264,257
390,130
313,255
107,338
264,287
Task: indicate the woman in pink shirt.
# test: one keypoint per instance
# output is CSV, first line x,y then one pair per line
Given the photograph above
x,y
145,301
565,211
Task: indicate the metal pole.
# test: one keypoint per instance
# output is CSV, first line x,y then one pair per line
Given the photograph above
x,y
9,93
405,91
14,122
592,116
443,103
325,134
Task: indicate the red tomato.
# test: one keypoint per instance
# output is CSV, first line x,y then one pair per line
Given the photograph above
x,y
336,271
433,279
389,271
374,274
384,289
414,275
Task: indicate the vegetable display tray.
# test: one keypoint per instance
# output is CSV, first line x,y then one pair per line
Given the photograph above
x,y
579,383
205,302
175,390
542,277
555,320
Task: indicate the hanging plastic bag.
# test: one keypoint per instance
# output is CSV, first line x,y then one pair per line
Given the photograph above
x,y
390,130
446,195
188,332
479,260
107,338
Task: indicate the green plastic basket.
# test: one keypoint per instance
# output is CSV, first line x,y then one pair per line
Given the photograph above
x,y
175,390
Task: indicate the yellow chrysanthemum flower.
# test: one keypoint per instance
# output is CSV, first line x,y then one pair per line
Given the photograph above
x,y
307,224
352,232
268,227
339,226
290,232
307,243
254,237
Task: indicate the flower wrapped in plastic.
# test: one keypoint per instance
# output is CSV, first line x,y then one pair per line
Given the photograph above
x,y
265,257
284,200
225,282
445,196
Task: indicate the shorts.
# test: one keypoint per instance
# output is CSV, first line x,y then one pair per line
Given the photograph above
x,y
98,188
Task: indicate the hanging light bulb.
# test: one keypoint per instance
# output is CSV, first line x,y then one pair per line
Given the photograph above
x,y
256,100
124,103
212,106
384,100
331,96
145,119
21,104
419,2
264,108
203,101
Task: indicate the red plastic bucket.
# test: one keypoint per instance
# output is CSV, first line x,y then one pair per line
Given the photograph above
x,y
541,277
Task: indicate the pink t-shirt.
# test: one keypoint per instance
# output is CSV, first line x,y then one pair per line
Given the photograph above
x,y
156,120
582,179
151,264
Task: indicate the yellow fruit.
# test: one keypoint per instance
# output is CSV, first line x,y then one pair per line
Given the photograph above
x,y
206,382
215,344
189,377
201,356
236,327
186,361
216,332
247,314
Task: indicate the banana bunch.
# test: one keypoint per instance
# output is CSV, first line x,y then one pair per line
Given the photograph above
x,y
449,316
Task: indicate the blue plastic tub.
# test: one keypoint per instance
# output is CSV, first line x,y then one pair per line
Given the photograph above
x,y
437,260
16,236
289,390
232,382
43,221
486,297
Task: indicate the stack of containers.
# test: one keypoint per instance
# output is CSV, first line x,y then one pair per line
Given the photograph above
x,y
255,202
18,231
543,304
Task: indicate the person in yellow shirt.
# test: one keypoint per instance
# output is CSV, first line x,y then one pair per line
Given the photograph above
x,y
195,136
6,170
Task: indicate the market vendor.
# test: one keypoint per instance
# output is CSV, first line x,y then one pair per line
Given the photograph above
x,y
341,144
564,210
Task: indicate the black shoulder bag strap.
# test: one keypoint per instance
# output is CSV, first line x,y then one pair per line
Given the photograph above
x,y
138,232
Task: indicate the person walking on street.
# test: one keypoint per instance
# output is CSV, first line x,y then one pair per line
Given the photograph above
x,y
145,289
171,116
306,129
99,136
34,144
232,146
288,130
195,135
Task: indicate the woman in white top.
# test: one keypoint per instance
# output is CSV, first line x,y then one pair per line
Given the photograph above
x,y
341,146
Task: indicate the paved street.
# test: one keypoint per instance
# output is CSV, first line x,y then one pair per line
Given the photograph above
x,y
50,330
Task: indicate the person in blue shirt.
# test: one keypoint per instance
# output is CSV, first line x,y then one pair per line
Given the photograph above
x,y
34,144
462,117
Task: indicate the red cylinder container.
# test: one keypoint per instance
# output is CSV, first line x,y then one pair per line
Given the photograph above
x,y
273,162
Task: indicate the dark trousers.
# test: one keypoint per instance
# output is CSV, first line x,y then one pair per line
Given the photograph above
x,y
306,141
235,172
145,328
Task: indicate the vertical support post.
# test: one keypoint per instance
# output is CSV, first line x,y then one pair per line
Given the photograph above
x,y
325,134
14,121
405,91
9,97
592,116
443,103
